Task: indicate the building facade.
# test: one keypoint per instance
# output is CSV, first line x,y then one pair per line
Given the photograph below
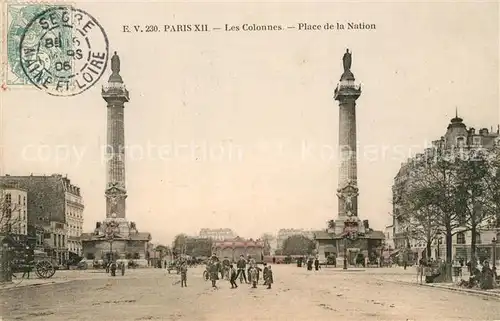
x,y
457,135
74,218
389,236
232,249
14,217
217,234
48,200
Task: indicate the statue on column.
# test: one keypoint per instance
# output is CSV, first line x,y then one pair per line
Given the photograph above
x,y
348,205
115,68
347,60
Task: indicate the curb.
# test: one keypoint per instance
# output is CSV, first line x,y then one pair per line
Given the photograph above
x,y
448,288
18,286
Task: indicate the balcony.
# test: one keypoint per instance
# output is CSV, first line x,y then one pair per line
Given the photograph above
x,y
115,90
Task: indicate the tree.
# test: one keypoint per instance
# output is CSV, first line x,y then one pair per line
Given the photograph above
x,y
192,246
199,246
432,191
472,187
179,245
298,245
493,185
421,223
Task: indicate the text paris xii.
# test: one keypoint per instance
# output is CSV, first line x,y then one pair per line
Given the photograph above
x,y
64,51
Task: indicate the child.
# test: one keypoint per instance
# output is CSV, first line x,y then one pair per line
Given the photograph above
x,y
253,274
233,276
184,270
269,280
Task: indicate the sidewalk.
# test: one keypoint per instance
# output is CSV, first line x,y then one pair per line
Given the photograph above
x,y
61,276
411,279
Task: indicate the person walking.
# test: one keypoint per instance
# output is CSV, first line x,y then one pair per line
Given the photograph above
x,y
241,265
233,277
265,273
214,271
269,278
184,275
253,276
316,264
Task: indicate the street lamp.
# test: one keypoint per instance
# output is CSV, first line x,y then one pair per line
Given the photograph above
x,y
111,229
494,242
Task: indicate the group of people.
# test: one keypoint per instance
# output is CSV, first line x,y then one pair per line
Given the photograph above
x,y
214,268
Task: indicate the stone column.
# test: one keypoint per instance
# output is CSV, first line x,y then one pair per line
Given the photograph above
x,y
346,93
116,95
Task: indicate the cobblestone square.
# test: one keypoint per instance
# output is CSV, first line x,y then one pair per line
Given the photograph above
x,y
297,294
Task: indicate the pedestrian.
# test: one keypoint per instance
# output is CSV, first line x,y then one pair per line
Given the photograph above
x,y
214,270
264,273
241,265
253,276
420,270
316,264
184,275
269,279
309,264
234,276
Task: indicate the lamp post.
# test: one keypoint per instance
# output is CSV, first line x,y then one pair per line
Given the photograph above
x,y
345,252
494,243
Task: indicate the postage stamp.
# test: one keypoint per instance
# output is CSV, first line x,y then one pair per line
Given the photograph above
x,y
16,17
61,50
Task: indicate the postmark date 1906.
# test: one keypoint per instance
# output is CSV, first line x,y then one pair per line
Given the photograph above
x,y
64,51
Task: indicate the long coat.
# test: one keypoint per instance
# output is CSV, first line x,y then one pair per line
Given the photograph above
x,y
214,271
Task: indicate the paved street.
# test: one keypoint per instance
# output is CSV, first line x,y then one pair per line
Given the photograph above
x,y
149,294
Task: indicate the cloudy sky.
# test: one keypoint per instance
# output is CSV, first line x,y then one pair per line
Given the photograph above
x,y
260,108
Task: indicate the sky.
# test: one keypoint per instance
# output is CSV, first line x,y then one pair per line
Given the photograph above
x,y
261,104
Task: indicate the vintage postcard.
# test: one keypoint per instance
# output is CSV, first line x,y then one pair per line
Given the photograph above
x,y
198,160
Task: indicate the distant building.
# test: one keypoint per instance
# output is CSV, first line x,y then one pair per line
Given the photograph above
x,y
457,135
389,236
232,249
74,217
49,201
14,217
217,234
285,233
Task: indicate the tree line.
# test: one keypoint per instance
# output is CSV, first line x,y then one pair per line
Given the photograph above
x,y
448,191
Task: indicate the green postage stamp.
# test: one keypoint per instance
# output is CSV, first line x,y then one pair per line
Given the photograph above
x,y
59,49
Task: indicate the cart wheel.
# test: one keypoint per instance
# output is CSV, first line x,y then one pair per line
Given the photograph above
x,y
44,269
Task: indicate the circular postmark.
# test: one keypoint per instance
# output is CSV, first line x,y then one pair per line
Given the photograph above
x,y
63,51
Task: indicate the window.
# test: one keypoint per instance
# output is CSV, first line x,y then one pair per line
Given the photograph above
x,y
25,216
476,140
478,238
24,200
55,240
460,238
8,198
460,141
19,199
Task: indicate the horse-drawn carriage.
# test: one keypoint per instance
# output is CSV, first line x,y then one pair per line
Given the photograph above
x,y
24,259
